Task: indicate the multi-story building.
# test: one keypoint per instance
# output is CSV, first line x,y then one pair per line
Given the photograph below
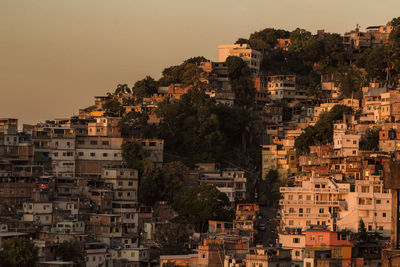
x,y
280,158
62,147
317,201
8,126
124,183
266,256
232,182
346,144
284,87
38,212
318,238
250,56
95,152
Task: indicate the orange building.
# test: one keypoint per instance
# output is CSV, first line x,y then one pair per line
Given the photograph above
x,y
320,238
188,260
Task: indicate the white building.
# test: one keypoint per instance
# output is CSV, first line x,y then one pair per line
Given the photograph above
x,y
250,56
346,144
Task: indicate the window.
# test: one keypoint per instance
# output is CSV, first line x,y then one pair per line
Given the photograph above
x,y
321,210
320,238
80,153
378,201
291,210
384,214
290,222
365,189
93,142
312,237
296,240
297,253
92,154
105,155
105,143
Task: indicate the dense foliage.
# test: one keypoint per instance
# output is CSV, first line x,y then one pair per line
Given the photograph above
x,y
71,251
322,131
162,184
18,252
172,238
370,141
197,205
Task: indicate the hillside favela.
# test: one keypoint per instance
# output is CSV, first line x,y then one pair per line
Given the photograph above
x,y
283,152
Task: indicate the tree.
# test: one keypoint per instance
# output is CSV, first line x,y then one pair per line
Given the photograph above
x,y
134,156
305,46
122,89
133,124
162,184
144,88
187,73
198,204
349,81
191,127
113,108
241,82
266,39
19,252
71,251
196,60
268,188
322,132
370,141
333,55
173,238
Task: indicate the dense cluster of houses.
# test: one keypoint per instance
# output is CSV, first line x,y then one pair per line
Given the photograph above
x,y
65,179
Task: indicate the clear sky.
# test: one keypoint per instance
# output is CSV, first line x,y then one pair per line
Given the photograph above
x,y
55,55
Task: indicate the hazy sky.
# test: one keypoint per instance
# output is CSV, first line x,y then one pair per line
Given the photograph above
x,y
55,55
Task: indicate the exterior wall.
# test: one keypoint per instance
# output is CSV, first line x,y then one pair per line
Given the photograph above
x,y
132,254
210,256
250,56
104,127
189,260
155,147
317,201
295,243
326,240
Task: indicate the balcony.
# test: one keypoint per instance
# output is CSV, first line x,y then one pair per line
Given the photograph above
x,y
306,215
338,203
314,190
